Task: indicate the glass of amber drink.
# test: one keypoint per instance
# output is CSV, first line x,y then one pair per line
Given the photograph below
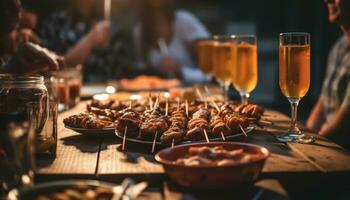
x,y
245,70
205,50
224,59
294,78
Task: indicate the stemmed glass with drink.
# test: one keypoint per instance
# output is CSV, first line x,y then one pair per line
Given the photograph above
x,y
205,50
245,68
224,60
294,78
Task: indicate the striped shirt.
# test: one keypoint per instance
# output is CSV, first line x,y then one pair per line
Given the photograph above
x,y
336,87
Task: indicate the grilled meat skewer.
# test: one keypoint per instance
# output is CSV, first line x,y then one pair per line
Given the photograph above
x,y
177,129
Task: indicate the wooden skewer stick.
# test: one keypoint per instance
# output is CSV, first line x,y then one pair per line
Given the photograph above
x,y
206,135
172,143
166,107
186,106
207,90
130,104
155,105
154,142
178,104
223,136
266,121
206,103
124,137
199,94
215,105
243,131
150,101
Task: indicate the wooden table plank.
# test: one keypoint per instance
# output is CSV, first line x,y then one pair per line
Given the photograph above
x,y
133,160
76,154
102,157
285,158
323,154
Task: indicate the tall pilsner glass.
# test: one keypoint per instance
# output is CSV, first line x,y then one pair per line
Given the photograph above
x,y
294,78
245,70
224,59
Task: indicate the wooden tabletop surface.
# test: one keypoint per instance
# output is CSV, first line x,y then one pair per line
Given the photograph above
x,y
101,158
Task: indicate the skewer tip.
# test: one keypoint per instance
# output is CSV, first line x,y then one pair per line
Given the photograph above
x,y
243,131
124,137
223,136
206,135
154,142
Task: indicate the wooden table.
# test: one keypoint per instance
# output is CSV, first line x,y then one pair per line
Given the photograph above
x,y
101,158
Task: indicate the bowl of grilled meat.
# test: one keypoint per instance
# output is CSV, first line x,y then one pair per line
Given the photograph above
x,y
213,165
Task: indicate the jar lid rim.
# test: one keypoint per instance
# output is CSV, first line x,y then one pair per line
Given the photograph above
x,y
13,78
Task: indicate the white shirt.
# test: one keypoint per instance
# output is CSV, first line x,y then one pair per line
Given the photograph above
x,y
336,86
187,28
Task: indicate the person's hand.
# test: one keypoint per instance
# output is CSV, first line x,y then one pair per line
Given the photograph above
x,y
32,58
27,35
100,33
170,67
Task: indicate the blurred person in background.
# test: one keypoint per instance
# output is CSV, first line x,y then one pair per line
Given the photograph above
x,y
84,37
18,53
165,40
330,116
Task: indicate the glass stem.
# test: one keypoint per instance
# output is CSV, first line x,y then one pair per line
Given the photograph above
x,y
294,115
226,88
244,97
208,79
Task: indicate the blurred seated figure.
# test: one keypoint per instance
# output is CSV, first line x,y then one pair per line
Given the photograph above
x,y
330,116
84,38
18,53
165,40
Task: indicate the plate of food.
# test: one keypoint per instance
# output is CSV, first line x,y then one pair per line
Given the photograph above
x,y
149,83
181,126
79,190
89,124
213,165
158,142
164,121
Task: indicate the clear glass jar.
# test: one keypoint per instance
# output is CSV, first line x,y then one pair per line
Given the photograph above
x,y
17,143
17,91
19,96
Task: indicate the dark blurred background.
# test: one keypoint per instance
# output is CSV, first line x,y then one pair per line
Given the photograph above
x,y
265,18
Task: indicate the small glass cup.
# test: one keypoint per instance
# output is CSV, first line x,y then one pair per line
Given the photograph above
x,y
74,84
66,87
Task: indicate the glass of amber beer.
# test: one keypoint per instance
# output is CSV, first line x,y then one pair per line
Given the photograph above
x,y
205,50
224,59
245,70
294,78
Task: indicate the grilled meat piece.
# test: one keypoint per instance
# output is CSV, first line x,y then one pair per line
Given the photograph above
x,y
217,125
198,124
101,104
131,120
177,129
250,110
85,120
154,122
110,115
